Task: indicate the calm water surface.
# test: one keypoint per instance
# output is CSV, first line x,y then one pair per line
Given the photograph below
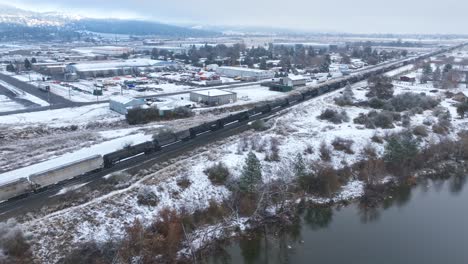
x,y
425,224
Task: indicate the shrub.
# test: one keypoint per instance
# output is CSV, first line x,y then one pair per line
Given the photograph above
x,y
91,253
259,125
218,173
377,139
376,103
325,152
406,121
14,247
438,129
380,86
383,120
183,182
137,116
344,145
400,153
346,98
323,181
334,116
407,101
462,108
146,196
420,131
273,154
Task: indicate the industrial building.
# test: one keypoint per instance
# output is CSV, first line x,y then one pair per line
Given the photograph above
x,y
245,73
213,97
294,80
121,104
113,68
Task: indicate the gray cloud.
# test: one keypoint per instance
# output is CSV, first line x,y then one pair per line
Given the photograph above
x,y
357,16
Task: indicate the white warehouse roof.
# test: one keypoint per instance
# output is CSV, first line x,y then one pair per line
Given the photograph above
x,y
109,65
212,92
241,69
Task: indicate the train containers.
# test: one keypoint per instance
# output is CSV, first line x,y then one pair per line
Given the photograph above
x,y
242,116
261,109
128,152
203,128
66,172
279,103
294,98
164,138
183,135
14,188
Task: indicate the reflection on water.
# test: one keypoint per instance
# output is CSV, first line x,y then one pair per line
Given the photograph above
x,y
423,224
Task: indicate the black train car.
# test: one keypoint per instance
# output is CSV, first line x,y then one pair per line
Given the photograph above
x,y
210,126
127,152
242,116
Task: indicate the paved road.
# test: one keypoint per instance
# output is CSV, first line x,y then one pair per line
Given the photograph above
x,y
51,98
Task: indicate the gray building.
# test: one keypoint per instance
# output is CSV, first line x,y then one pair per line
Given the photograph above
x,y
213,97
244,73
121,104
294,81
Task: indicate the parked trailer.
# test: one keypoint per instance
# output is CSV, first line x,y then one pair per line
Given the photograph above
x,y
14,188
66,172
125,153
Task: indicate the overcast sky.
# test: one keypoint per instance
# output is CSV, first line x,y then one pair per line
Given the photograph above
x,y
354,16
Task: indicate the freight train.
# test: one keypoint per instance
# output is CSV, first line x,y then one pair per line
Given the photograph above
x,y
42,180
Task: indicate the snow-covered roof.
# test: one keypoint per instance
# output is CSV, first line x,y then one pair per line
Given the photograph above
x,y
296,77
122,99
117,64
241,69
212,92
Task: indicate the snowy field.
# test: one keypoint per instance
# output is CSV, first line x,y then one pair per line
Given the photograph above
x,y
63,117
7,105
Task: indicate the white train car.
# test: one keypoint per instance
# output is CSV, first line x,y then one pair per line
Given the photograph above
x,y
66,171
14,188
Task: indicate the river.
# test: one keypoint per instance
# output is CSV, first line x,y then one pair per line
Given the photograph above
x,y
423,224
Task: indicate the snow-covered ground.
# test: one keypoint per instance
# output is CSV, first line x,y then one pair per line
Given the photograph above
x,y
6,104
63,117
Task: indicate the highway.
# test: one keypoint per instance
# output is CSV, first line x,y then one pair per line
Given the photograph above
x,y
47,197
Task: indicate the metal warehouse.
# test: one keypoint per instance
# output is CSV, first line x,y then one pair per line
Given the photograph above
x,y
213,97
245,73
113,68
121,104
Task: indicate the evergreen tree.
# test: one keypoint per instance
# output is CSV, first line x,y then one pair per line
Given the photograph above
x,y
299,166
263,65
27,64
10,68
251,173
462,109
401,150
33,60
437,74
